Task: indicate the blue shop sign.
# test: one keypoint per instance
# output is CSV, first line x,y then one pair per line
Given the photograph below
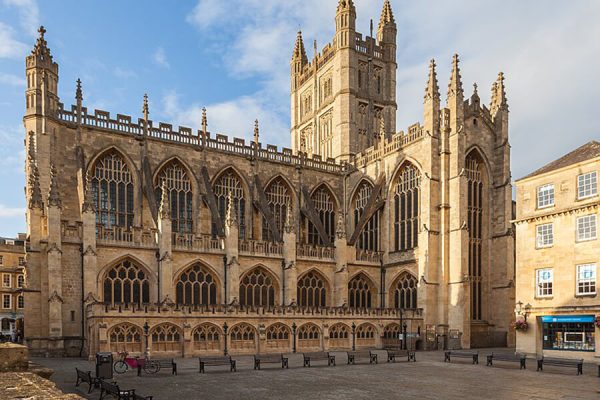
x,y
568,318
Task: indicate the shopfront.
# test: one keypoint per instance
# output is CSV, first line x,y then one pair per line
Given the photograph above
x,y
568,332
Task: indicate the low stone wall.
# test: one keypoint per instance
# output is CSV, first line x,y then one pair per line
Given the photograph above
x,y
13,357
26,385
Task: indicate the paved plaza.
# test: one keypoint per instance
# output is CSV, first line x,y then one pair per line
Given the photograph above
x,y
428,378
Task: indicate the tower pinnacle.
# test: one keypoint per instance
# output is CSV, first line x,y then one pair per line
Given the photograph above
x,y
145,107
78,91
387,16
299,50
432,90
455,88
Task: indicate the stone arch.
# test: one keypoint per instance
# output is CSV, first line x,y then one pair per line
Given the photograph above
x,y
404,290
207,338
280,199
243,337
369,238
391,334
166,338
326,207
230,181
340,336
259,288
362,291
309,336
332,193
181,186
197,285
171,159
126,281
279,337
313,289
404,199
125,336
476,151
366,335
112,148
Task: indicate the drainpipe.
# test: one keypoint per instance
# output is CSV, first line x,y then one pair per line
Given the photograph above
x,y
82,305
382,285
159,261
283,282
225,280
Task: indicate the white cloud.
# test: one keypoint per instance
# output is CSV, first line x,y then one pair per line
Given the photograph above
x,y
124,73
12,153
160,58
29,14
9,46
12,80
8,212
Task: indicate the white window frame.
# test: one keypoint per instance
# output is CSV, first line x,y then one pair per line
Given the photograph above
x,y
20,281
583,282
9,297
4,284
582,184
539,235
591,226
545,192
21,261
20,302
539,289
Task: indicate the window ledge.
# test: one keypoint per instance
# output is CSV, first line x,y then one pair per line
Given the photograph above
x,y
544,297
584,295
585,240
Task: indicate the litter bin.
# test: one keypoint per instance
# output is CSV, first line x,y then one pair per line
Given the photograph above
x,y
104,365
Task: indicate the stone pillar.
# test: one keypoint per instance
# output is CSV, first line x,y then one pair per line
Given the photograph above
x,y
90,266
340,291
165,265
54,254
289,258
232,233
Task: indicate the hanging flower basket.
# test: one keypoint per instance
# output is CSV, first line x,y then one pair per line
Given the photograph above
x,y
521,325
598,321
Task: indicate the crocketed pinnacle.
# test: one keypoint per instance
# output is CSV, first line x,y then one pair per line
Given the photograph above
x,y
341,227
499,100
387,16
455,87
289,220
345,4
475,95
299,50
88,199
35,199
41,46
78,91
53,194
230,212
256,132
164,209
204,121
145,109
432,90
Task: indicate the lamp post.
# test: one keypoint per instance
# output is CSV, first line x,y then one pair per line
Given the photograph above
x,y
353,336
146,330
225,327
401,323
404,335
225,279
294,335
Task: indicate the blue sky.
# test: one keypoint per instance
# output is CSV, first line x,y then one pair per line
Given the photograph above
x,y
233,58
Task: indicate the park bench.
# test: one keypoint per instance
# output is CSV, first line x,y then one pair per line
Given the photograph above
x,y
270,359
362,354
86,377
520,358
140,397
396,351
462,354
216,361
115,391
162,364
560,362
318,356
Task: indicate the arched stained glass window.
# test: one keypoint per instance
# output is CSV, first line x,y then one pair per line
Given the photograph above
x,y
406,208
126,283
257,288
369,236
325,208
112,190
179,186
475,187
196,286
279,198
360,292
405,291
312,290
229,182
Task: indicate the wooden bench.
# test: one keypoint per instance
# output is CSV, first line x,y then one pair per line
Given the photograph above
x,y
520,358
318,356
462,354
162,364
85,376
216,361
270,359
560,362
396,351
139,397
115,391
362,354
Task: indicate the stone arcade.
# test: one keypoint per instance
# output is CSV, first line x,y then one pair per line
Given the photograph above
x,y
219,243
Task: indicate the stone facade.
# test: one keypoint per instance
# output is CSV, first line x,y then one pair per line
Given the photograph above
x,y
220,244
12,283
558,253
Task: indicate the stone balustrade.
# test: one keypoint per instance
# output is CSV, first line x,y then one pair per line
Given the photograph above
x,y
311,252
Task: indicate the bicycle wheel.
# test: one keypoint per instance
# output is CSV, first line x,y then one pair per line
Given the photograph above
x,y
151,367
120,367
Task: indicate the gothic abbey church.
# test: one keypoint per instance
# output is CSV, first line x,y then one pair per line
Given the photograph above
x,y
197,243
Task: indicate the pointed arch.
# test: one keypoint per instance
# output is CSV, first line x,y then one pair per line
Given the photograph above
x,y
126,281
475,152
258,288
112,179
405,193
391,334
125,336
207,337
243,337
179,182
362,292
229,180
326,206
403,291
166,337
312,289
309,336
278,337
279,195
370,234
339,336
366,335
197,285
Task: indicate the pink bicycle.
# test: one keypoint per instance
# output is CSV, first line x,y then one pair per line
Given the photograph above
x,y
124,363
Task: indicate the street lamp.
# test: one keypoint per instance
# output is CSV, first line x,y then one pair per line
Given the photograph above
x,y
225,327
146,330
521,311
353,336
225,279
404,335
294,335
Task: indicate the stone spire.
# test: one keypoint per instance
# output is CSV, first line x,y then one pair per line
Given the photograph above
x,y
345,4
501,92
387,16
340,229
53,194
475,96
299,50
41,46
35,199
230,212
455,88
31,147
88,200
256,133
164,209
78,92
145,110
432,91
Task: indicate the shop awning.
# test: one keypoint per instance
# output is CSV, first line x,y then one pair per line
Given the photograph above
x,y
568,318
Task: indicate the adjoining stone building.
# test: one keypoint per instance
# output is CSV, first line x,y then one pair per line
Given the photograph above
x,y
355,234
558,253
12,275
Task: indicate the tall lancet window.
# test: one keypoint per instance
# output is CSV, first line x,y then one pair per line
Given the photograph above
x,y
475,187
229,182
325,208
406,208
112,190
179,189
279,198
369,235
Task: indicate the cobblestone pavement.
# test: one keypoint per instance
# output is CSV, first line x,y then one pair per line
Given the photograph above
x,y
428,378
